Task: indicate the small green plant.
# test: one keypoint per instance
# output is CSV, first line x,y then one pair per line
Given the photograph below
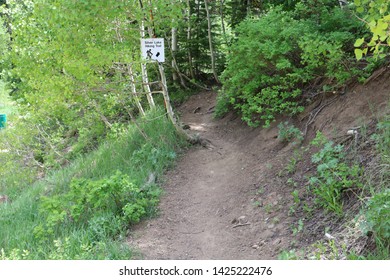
x,y
104,226
256,203
291,182
333,175
268,208
329,250
288,255
298,228
291,166
308,210
297,201
378,216
288,133
382,138
260,190
15,254
295,195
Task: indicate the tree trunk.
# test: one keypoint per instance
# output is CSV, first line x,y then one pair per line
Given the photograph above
x,y
177,74
189,35
222,2
145,78
168,105
167,101
174,50
212,54
134,91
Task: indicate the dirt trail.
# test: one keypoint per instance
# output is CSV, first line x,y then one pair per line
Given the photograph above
x,y
232,199
208,211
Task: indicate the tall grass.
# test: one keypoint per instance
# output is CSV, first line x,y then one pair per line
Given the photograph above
x,y
128,152
377,212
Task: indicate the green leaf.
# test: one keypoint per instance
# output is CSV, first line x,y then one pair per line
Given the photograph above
x,y
360,9
382,25
358,54
359,42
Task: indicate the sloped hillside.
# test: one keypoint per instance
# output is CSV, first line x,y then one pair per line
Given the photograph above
x,y
246,193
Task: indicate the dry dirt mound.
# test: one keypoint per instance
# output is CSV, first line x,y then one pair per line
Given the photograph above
x,y
225,199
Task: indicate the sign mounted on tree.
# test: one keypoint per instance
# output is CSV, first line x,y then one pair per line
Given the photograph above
x,y
153,49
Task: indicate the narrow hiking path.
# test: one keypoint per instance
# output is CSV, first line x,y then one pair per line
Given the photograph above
x,y
232,198
208,210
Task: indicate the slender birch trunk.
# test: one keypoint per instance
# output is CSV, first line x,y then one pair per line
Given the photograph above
x,y
177,74
144,70
134,90
189,36
167,101
222,3
212,53
174,50
145,78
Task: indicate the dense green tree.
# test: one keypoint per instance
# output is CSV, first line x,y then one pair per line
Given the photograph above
x,y
71,59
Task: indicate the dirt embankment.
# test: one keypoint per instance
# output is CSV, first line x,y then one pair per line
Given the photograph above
x,y
226,199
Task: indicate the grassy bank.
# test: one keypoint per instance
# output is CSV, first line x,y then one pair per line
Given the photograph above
x,y
84,210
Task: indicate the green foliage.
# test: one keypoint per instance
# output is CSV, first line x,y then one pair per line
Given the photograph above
x,y
382,138
86,207
4,41
288,255
296,203
88,202
333,176
15,254
377,211
278,54
67,70
376,16
288,132
298,228
378,216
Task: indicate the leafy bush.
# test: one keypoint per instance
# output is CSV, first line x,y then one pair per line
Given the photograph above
x,y
255,81
288,132
333,175
97,204
378,215
277,55
377,19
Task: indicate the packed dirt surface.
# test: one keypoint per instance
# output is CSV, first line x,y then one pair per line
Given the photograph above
x,y
227,198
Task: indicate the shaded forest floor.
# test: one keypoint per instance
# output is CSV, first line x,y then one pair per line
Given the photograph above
x,y
230,197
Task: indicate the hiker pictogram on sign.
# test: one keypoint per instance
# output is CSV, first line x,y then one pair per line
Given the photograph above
x,y
153,49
